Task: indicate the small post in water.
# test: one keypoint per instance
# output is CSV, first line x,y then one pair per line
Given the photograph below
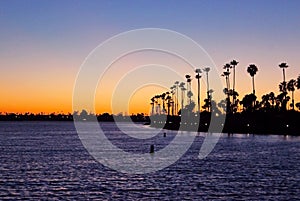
x,y
151,149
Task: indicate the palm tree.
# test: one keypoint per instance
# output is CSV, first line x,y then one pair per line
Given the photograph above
x,y
233,63
181,86
189,95
283,87
227,89
283,66
265,102
189,80
252,69
168,99
248,101
226,75
272,98
206,70
172,102
291,87
163,96
198,76
152,104
227,67
176,99
298,82
157,108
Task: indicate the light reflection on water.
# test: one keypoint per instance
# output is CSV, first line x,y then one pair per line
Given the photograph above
x,y
47,160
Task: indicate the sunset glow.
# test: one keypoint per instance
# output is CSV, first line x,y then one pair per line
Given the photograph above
x,y
43,45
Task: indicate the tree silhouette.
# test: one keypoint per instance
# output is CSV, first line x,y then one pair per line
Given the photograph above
x,y
298,82
248,101
183,89
291,87
206,70
176,98
168,99
189,88
152,105
283,87
272,99
233,63
283,66
281,100
265,102
198,76
252,69
163,96
227,67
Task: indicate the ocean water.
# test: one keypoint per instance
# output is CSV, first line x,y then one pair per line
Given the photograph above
x,y
46,160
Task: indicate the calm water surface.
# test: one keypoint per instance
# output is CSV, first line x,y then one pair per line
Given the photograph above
x,y
46,160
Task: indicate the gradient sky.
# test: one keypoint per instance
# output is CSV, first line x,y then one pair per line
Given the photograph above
x,y
43,44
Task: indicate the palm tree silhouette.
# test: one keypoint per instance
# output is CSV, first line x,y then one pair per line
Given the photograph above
x,y
176,99
283,87
181,86
189,93
226,73
283,66
291,87
272,98
233,63
163,96
168,99
157,109
206,70
298,82
172,102
252,69
152,104
265,102
248,101
198,76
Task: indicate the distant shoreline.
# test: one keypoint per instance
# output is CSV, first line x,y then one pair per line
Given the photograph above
x,y
257,122
272,123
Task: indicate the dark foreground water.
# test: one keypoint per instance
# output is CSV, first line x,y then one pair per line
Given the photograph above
x,y
46,160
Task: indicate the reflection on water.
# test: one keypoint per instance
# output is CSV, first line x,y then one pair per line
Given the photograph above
x,y
47,160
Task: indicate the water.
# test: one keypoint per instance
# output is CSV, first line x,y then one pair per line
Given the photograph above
x,y
47,160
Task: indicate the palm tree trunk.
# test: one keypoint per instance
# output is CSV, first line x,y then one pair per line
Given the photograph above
x,y
182,99
198,95
233,87
283,70
253,85
177,99
233,84
228,86
152,112
207,84
207,89
293,101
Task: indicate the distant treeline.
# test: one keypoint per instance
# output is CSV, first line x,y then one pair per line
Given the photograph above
x,y
83,116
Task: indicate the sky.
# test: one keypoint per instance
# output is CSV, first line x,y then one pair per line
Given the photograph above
x,y
44,43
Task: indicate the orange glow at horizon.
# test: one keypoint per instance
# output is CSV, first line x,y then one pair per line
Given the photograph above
x,y
37,90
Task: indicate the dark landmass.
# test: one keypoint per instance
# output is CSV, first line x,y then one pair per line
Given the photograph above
x,y
83,116
257,122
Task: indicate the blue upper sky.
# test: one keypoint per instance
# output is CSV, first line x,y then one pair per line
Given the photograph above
x,y
55,32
